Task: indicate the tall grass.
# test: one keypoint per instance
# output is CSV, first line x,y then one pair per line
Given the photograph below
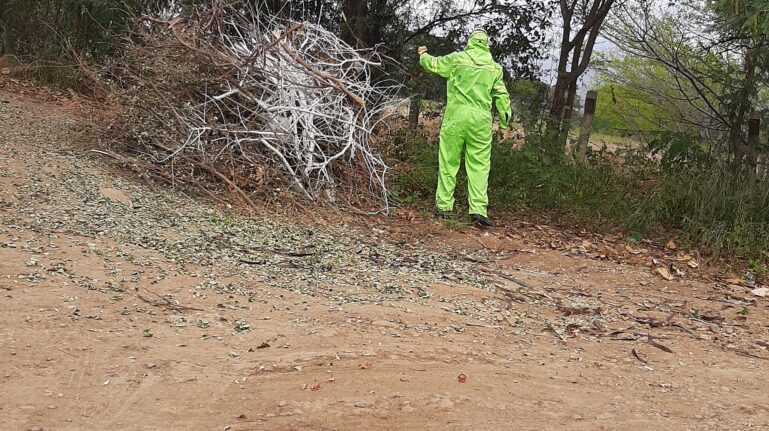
x,y
706,203
711,205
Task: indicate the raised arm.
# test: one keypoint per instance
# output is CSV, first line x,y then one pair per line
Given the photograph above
x,y
437,65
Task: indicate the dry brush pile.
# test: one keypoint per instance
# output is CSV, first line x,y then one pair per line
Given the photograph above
x,y
266,108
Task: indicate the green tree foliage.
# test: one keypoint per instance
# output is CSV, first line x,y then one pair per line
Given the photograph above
x,y
709,81
745,16
529,99
29,27
639,96
581,24
397,27
47,31
52,37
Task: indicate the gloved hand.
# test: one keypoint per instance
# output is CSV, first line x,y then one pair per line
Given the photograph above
x,y
421,50
504,121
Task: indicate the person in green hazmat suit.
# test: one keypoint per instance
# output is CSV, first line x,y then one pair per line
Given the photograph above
x,y
474,81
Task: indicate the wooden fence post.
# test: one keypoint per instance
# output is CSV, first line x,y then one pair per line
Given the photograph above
x,y
754,127
587,123
415,106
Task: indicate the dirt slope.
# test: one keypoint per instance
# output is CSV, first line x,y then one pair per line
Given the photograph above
x,y
128,307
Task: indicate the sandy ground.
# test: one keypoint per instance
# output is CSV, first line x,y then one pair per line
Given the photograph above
x,y
537,329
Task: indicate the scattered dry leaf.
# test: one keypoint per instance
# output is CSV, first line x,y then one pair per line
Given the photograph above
x,y
681,256
664,273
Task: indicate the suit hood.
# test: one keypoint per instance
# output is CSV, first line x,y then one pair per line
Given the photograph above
x,y
478,47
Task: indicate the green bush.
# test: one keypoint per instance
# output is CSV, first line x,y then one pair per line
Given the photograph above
x,y
711,205
698,199
520,180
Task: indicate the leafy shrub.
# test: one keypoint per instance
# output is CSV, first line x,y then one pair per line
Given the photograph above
x,y
689,194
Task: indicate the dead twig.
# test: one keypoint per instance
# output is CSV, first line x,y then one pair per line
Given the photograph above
x,y
637,354
505,277
165,302
279,96
650,340
551,328
336,82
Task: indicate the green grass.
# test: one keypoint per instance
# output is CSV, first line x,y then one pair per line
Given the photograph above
x,y
704,203
520,180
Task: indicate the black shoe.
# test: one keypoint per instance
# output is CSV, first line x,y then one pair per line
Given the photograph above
x,y
480,220
443,215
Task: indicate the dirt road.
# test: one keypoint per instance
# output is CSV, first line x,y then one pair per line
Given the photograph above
x,y
131,307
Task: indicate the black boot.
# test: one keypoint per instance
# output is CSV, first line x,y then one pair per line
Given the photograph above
x,y
481,221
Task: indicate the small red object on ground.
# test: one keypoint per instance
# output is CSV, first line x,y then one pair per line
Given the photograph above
x,y
462,378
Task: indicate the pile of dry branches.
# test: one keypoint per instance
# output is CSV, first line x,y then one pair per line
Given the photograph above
x,y
260,104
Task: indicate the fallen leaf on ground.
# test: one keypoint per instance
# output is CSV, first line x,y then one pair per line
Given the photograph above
x,y
664,273
761,291
681,256
632,250
693,264
671,245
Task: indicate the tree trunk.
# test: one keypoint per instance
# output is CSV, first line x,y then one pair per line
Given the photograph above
x,y
735,133
571,92
562,79
580,48
57,17
558,102
353,29
373,31
754,126
568,113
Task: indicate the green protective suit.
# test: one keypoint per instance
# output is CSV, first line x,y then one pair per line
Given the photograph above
x,y
474,81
